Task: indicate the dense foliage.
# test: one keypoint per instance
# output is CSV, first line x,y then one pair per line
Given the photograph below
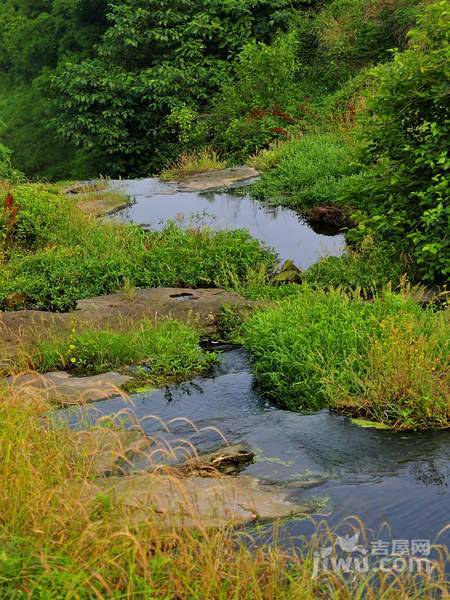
x,y
405,197
342,101
7,170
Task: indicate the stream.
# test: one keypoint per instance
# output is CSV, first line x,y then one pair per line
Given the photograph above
x,y
381,476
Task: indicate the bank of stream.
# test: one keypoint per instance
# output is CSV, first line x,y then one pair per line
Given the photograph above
x,y
154,202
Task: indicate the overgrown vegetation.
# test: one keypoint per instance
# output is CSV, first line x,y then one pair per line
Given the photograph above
x,y
337,102
189,164
386,360
58,544
405,197
346,100
159,352
369,267
54,255
308,171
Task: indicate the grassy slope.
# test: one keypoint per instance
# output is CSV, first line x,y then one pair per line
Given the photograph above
x,y
54,255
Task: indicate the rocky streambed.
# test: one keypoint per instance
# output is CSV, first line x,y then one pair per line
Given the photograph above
x,y
164,444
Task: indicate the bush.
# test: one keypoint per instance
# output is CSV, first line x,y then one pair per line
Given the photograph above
x,y
309,171
261,101
404,196
7,171
65,256
323,349
40,218
353,33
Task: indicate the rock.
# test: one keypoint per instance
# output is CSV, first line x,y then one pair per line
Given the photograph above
x,y
61,387
109,451
196,501
200,305
104,204
229,460
289,273
220,178
86,187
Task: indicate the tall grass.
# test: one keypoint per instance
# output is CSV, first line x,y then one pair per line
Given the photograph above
x,y
193,163
59,542
168,350
386,360
368,267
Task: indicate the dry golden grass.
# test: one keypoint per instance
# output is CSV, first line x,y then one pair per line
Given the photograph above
x,y
56,544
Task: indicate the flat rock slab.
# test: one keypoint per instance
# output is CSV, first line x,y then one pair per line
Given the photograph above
x,y
68,390
184,304
197,501
108,451
103,205
115,311
212,180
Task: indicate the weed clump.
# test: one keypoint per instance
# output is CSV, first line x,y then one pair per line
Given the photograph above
x,y
385,360
167,350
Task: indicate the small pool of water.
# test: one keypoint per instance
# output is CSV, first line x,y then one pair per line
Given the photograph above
x,y
381,476
155,203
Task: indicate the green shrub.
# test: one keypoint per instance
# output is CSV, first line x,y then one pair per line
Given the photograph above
x,y
168,349
42,218
353,33
261,101
309,171
7,171
404,196
323,349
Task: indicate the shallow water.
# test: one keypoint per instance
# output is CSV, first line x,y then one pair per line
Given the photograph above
x,y
379,475
156,202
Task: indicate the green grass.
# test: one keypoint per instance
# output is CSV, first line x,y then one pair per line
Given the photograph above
x,y
168,350
308,170
385,360
54,255
369,268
